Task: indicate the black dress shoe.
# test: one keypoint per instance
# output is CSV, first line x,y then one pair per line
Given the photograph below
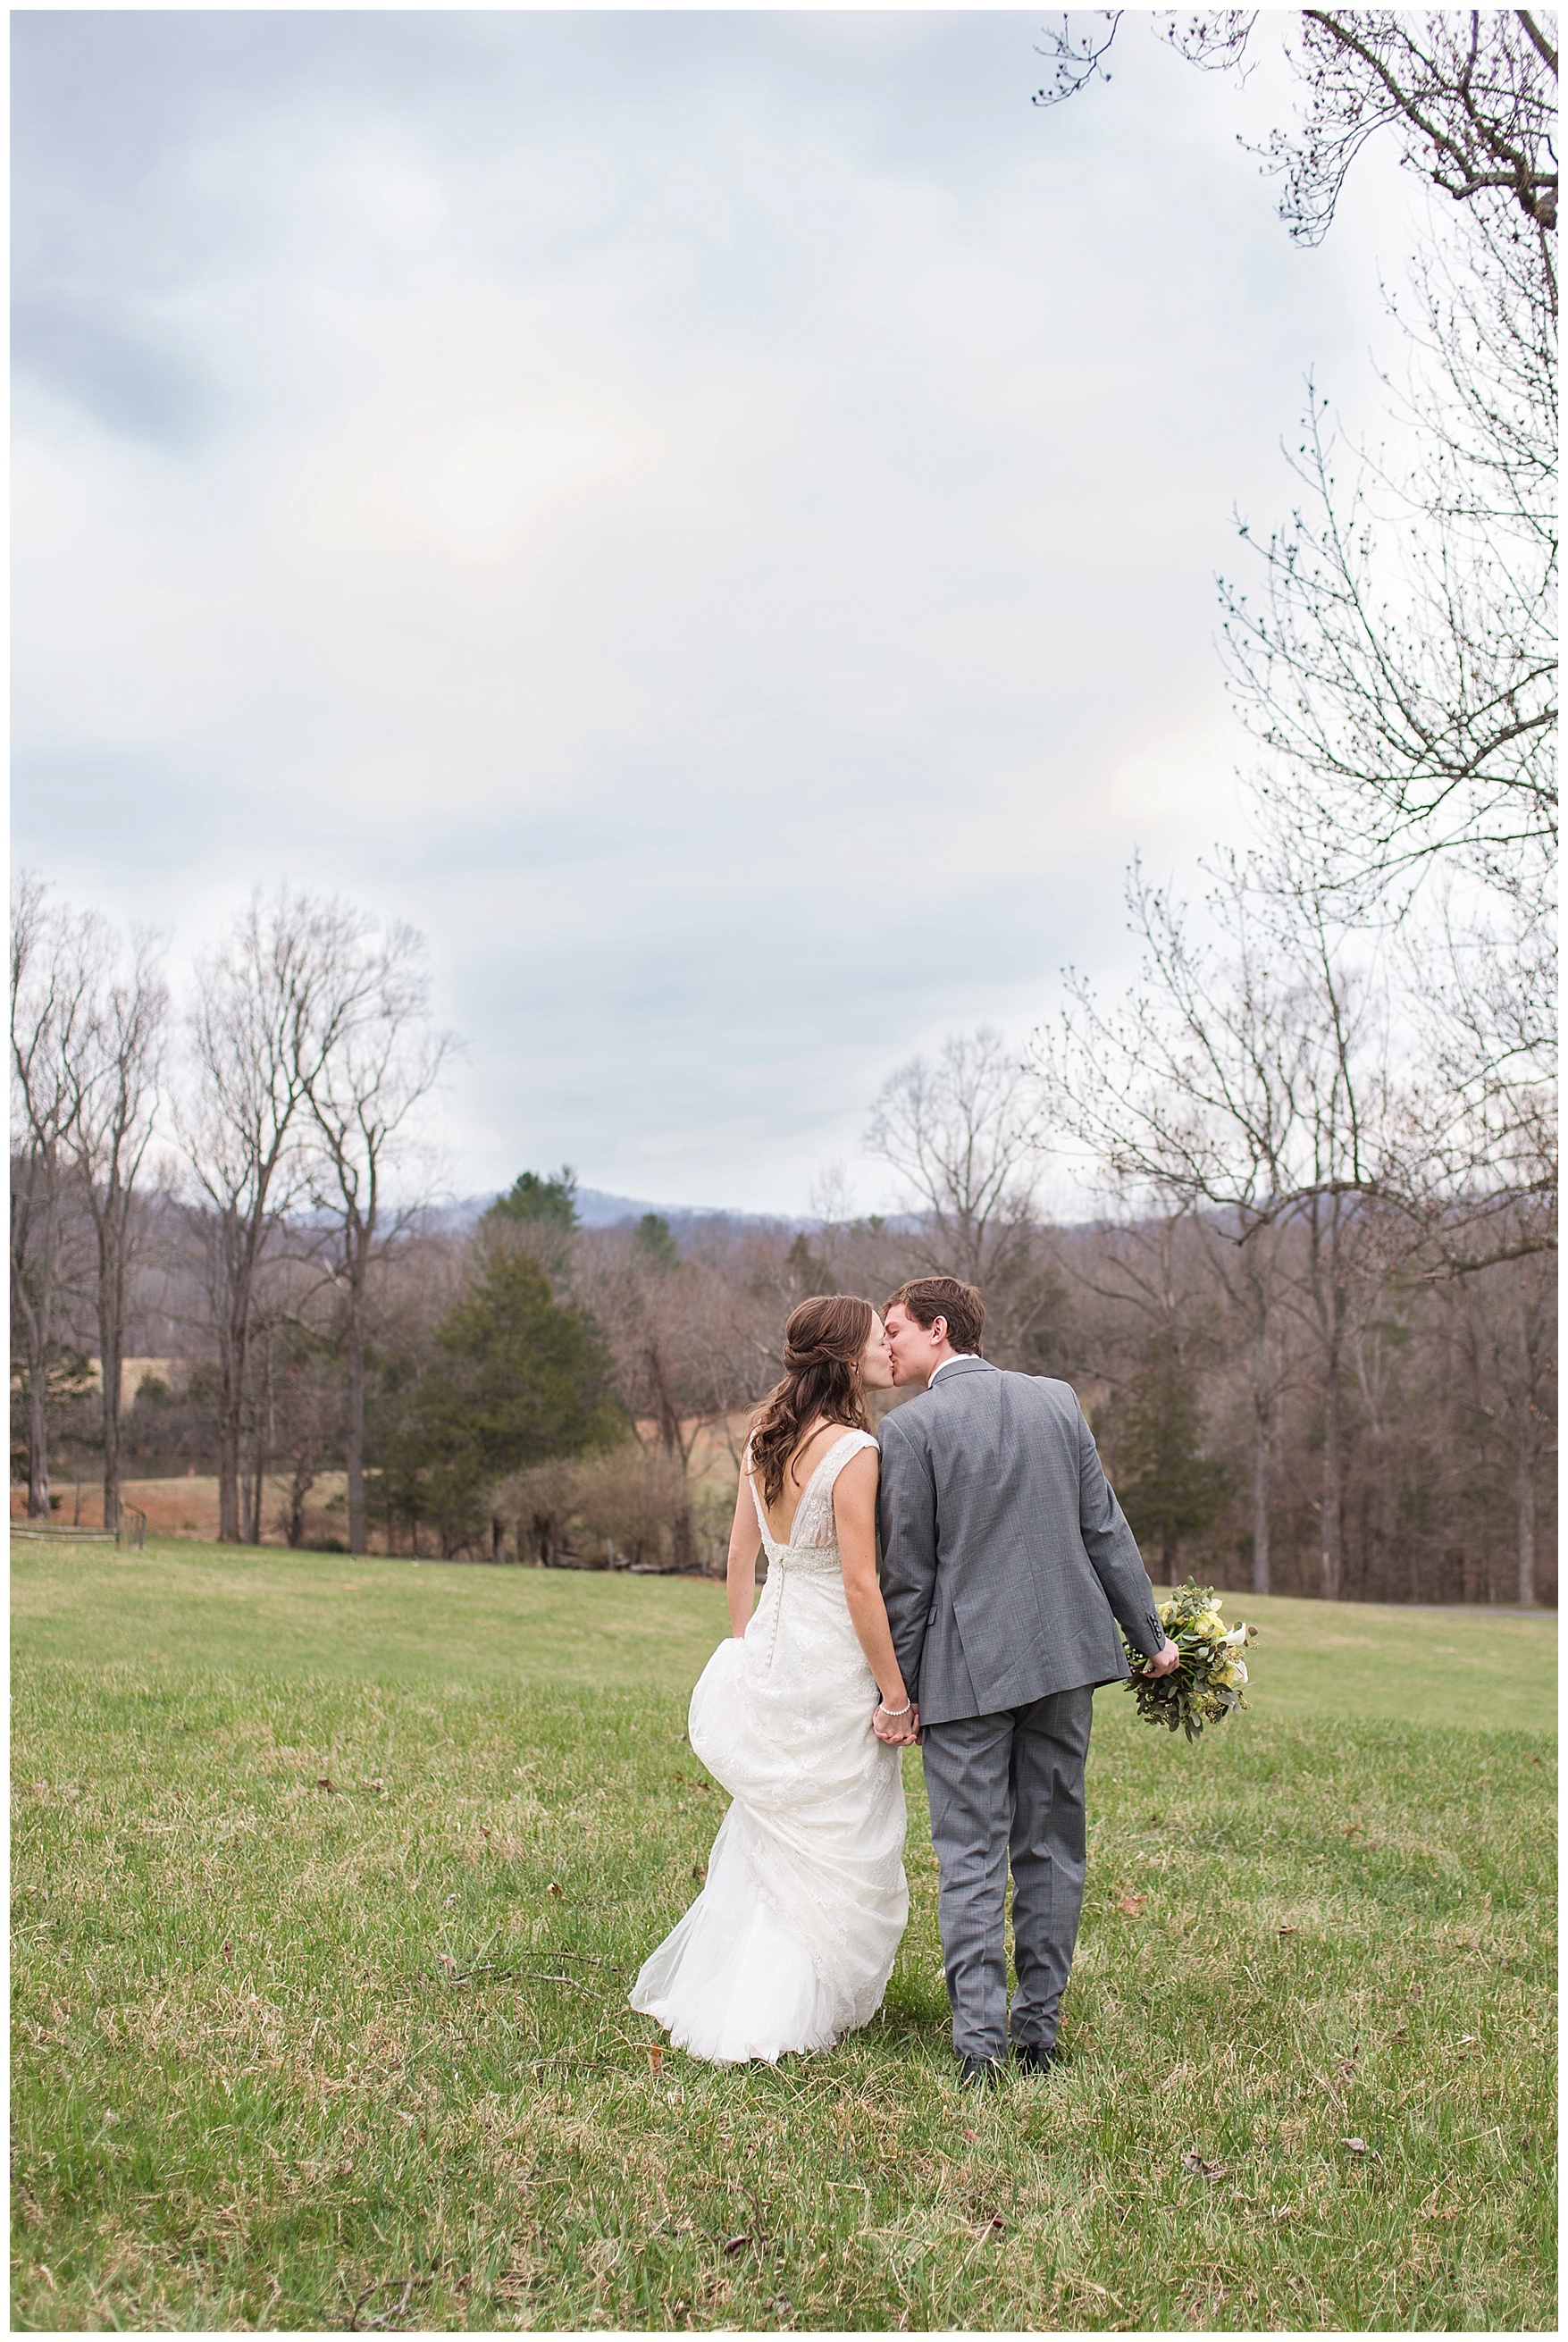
x,y
978,2073
1031,2058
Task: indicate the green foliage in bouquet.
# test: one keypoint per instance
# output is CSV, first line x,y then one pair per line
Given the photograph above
x,y
1209,1682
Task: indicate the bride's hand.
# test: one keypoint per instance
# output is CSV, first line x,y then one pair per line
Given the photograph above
x,y
898,1727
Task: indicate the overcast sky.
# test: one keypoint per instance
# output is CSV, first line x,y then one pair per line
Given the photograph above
x,y
714,517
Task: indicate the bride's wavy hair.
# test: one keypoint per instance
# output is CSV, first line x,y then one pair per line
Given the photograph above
x,y
823,1340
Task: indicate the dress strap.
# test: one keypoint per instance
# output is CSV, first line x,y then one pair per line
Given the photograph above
x,y
852,1444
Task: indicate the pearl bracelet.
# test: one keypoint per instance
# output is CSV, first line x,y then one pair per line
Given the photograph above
x,y
882,1704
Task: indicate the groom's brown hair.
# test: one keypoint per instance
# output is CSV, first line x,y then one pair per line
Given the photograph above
x,y
927,1298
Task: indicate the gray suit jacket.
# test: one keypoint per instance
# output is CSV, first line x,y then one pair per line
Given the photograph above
x,y
1006,1558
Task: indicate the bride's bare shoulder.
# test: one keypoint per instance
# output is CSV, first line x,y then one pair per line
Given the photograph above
x,y
813,1448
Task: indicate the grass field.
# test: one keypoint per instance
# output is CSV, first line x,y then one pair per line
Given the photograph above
x,y
330,1880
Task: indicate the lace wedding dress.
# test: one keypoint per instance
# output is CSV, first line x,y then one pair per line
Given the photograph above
x,y
792,1940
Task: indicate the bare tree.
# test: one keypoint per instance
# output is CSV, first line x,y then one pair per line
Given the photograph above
x,y
273,1004
631,1501
1483,1146
114,1074
1200,1083
1469,95
363,1093
1510,1320
692,1346
1250,1077
50,1009
538,1503
1253,1277
1396,656
308,1402
1534,1363
1401,675
958,1134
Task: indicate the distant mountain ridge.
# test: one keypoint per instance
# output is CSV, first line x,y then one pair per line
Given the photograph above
x,y
598,1210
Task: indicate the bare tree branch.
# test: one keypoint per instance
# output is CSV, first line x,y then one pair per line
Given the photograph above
x,y
364,1092
957,1133
273,1004
115,1074
52,966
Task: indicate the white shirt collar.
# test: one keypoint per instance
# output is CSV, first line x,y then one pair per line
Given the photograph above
x,y
953,1361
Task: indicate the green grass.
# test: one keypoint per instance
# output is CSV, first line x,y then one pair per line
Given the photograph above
x,y
277,2044
319,1614
1465,1668
243,1612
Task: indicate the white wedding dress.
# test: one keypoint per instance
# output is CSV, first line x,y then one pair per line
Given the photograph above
x,y
792,1940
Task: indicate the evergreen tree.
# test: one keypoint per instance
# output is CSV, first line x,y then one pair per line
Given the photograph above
x,y
1034,1324
1170,1490
808,1273
532,1197
516,1378
655,1240
538,1217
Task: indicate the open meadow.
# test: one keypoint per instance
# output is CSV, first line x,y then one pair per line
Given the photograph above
x,y
330,1879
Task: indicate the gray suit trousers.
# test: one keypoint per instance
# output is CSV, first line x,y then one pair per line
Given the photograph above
x,y
1007,1786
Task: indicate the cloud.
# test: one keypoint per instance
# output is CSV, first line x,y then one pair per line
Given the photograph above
x,y
713,517
120,379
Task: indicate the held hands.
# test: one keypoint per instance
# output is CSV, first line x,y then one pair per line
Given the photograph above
x,y
900,1726
1164,1662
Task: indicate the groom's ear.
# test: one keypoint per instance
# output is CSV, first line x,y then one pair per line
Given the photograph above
x,y
937,1329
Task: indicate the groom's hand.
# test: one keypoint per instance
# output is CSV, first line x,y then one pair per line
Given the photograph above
x,y
1164,1661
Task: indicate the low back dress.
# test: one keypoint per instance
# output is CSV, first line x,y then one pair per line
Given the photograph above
x,y
792,1940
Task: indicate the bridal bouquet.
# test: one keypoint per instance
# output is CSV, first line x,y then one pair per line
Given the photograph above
x,y
1208,1684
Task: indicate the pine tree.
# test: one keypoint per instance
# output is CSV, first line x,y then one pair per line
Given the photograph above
x,y
532,1197
1170,1490
517,1378
655,1240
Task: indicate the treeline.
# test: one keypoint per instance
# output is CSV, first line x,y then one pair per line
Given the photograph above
x,y
287,1092
536,1391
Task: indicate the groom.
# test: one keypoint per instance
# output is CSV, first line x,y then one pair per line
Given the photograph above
x,y
1006,1562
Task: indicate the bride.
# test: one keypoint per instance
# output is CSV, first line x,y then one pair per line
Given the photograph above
x,y
800,1715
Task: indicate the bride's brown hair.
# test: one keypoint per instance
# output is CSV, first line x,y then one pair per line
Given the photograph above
x,y
824,1342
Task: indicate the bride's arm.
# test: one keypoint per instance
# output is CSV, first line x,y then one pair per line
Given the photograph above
x,y
741,1575
855,1515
